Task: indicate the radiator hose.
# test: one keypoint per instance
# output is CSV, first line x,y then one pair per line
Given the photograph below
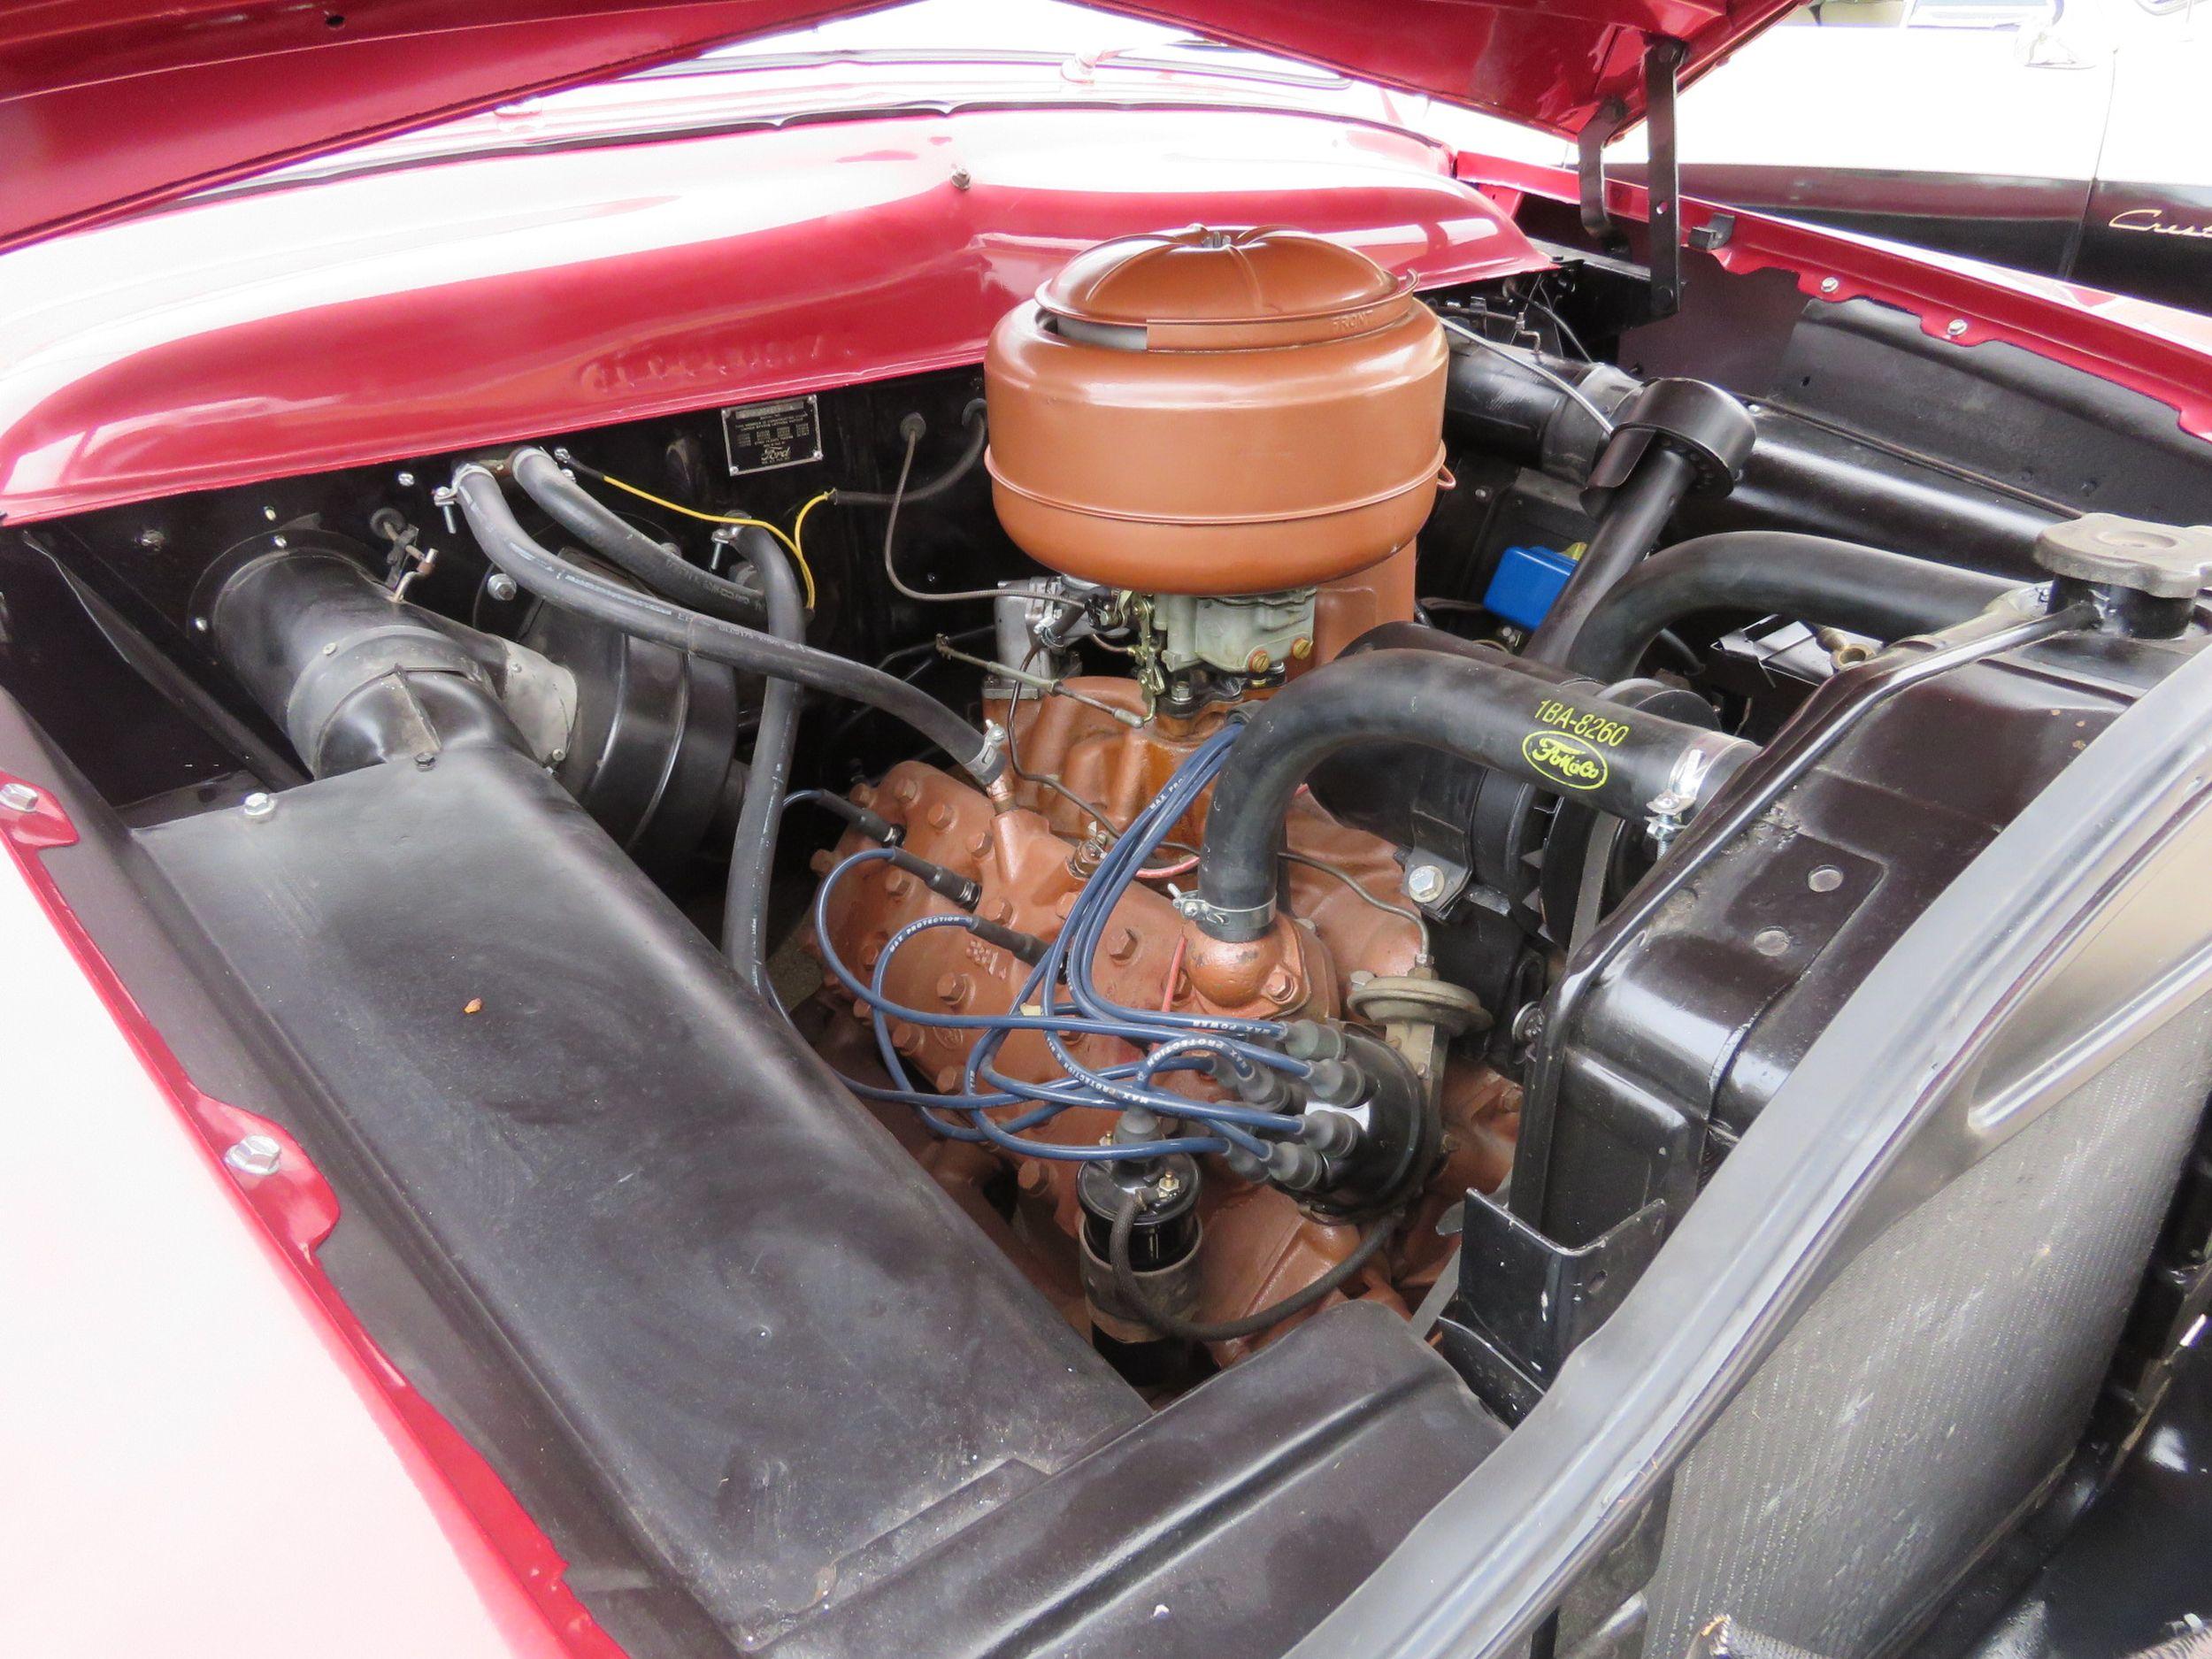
x,y
1810,578
559,582
1620,760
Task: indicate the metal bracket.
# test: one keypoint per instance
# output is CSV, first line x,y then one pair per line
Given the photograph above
x,y
1662,61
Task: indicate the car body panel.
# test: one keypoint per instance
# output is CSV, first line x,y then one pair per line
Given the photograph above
x,y
205,1452
120,103
394,314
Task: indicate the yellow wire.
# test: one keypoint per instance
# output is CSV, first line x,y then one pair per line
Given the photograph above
x,y
789,541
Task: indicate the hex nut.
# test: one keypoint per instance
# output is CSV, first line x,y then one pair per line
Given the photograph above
x,y
255,1156
1425,884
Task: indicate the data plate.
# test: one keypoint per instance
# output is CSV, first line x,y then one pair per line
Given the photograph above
x,y
761,437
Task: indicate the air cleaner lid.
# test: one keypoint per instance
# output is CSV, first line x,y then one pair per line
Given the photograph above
x,y
1209,289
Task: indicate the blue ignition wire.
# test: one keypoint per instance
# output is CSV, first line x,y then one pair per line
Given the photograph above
x,y
1179,1037
1052,1100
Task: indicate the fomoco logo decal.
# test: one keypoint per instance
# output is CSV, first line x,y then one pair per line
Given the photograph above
x,y
1568,760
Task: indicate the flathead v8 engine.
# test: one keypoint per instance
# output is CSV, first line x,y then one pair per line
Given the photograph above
x,y
1225,442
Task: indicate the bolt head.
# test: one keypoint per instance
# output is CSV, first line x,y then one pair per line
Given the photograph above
x,y
1425,884
255,1156
1281,987
406,480
1956,326
19,797
258,805
1829,284
499,586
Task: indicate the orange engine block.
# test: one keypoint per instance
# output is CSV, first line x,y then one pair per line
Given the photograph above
x,y
1077,767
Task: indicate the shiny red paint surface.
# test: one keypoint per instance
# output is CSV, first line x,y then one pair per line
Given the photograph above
x,y
106,105
400,313
264,1477
2164,353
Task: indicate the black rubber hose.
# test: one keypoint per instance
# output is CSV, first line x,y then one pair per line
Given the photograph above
x,y
1614,758
559,582
971,416
1629,527
1125,1281
661,568
1808,577
753,852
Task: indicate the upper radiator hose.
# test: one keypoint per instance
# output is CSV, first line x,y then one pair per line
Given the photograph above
x,y
1623,761
1811,578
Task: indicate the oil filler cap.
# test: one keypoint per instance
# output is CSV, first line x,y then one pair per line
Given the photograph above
x,y
2164,560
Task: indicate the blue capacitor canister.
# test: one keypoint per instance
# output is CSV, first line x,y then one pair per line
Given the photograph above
x,y
1528,579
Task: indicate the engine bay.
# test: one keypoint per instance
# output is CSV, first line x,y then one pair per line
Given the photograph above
x,y
1042,999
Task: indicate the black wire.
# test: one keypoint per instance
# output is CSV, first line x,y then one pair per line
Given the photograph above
x,y
1167,1323
1560,323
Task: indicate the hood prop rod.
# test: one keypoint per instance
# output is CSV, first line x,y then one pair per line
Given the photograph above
x,y
1663,60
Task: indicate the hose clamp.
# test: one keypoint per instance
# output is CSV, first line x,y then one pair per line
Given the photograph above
x,y
1248,921
1672,806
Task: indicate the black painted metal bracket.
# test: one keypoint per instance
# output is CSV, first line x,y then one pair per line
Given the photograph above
x,y
1662,62
1525,1302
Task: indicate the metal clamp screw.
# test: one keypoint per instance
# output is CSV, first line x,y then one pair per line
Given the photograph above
x,y
255,1156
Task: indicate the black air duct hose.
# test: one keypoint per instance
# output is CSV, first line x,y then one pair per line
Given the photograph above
x,y
559,582
353,677
1620,760
661,568
1810,578
753,852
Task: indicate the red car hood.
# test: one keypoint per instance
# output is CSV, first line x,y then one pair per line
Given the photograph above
x,y
109,106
